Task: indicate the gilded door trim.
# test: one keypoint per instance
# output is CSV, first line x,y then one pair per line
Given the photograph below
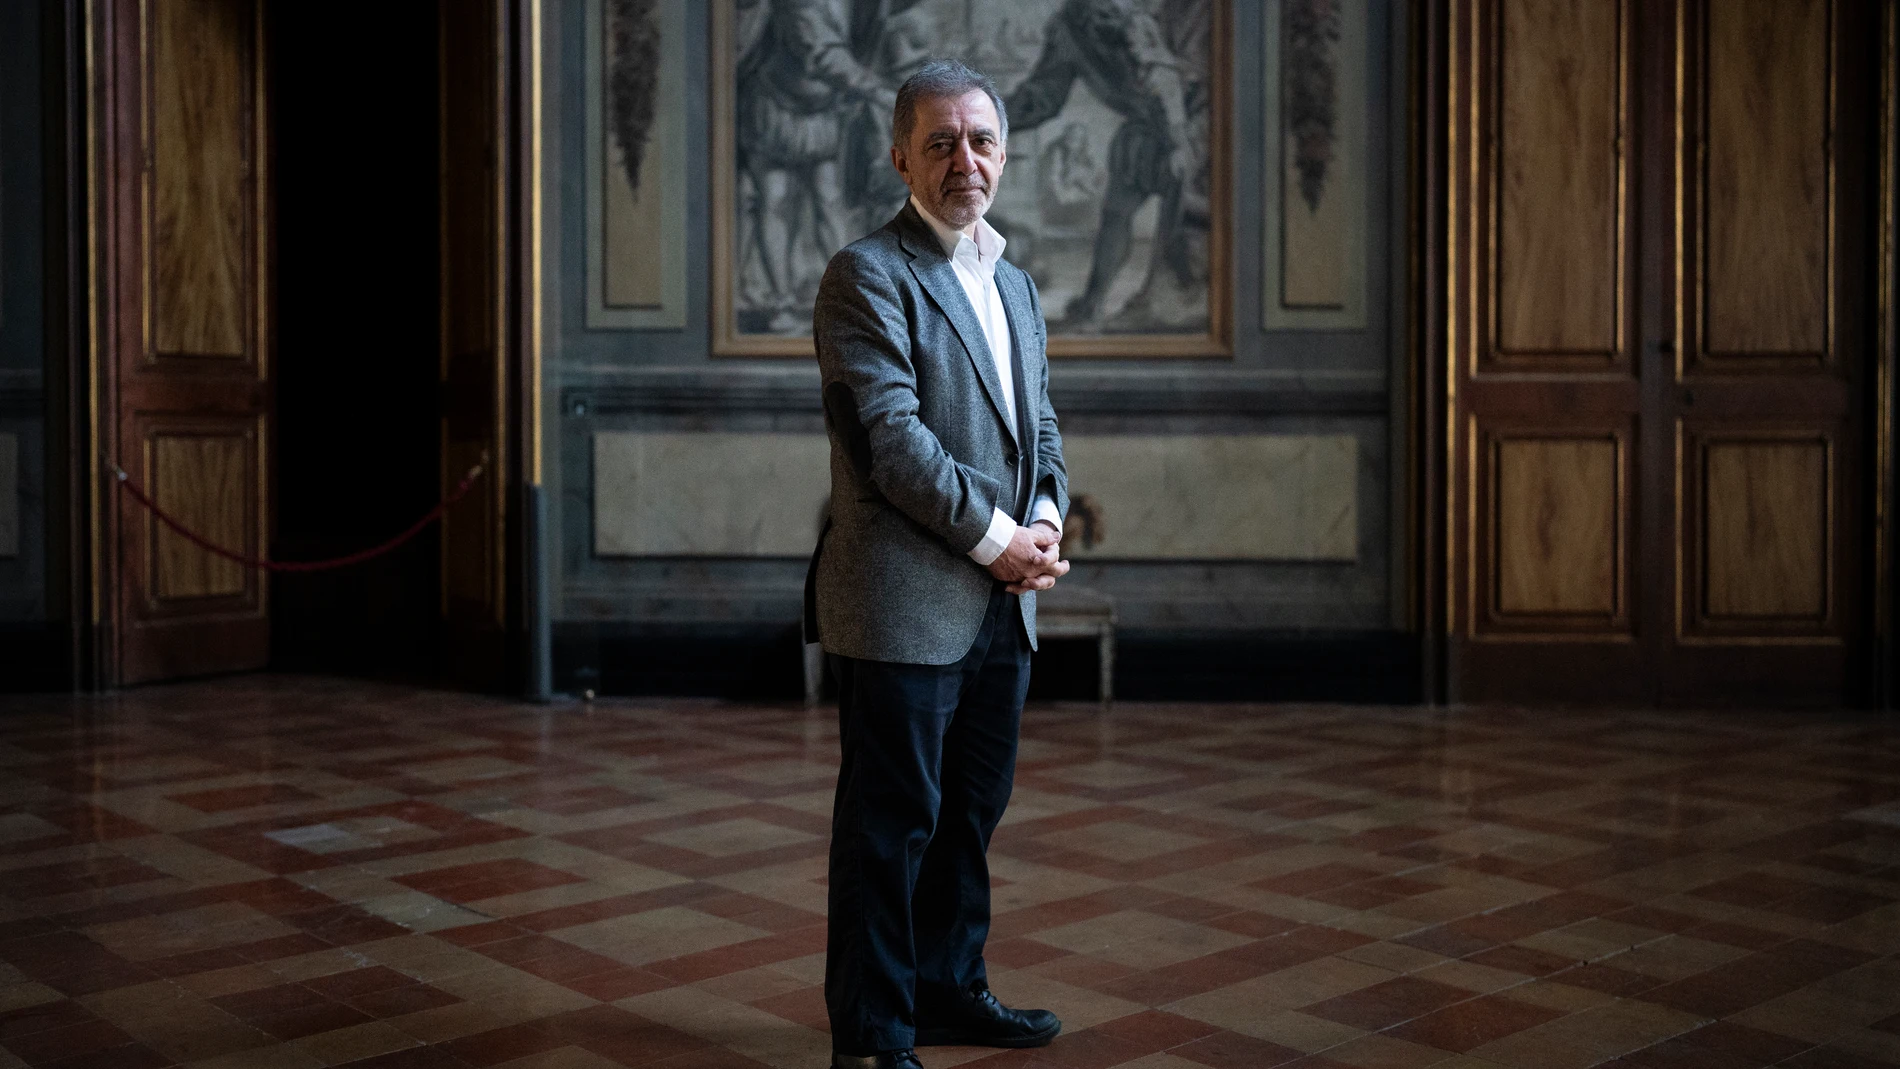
x,y
1884,369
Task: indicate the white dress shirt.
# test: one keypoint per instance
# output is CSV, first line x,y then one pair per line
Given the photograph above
x,y
974,260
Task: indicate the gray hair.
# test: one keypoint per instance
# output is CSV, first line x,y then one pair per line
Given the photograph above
x,y
941,78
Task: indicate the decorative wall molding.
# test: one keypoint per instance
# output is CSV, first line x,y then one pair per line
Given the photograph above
x,y
1260,393
636,232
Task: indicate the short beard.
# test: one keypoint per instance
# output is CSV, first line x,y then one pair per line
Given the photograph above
x,y
959,214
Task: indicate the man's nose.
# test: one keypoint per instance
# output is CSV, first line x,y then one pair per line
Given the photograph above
x,y
964,158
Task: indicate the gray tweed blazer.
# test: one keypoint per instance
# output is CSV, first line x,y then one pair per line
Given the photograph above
x,y
921,447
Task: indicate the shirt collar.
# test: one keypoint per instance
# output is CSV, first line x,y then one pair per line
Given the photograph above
x,y
988,244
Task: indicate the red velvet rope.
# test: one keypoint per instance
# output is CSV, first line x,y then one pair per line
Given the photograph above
x,y
461,490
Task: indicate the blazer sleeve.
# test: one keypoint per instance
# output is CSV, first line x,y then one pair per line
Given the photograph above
x,y
870,392
1054,471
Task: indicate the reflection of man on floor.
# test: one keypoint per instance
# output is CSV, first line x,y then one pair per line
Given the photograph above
x,y
797,84
1116,48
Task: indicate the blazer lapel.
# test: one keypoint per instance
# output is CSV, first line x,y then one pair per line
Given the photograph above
x,y
1016,306
933,271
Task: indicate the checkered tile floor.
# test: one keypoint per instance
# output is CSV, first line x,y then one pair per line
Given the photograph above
x,y
288,872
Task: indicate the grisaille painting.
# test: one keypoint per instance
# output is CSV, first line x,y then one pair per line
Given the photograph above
x,y
1114,196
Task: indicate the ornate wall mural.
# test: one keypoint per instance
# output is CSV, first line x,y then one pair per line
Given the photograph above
x,y
1316,86
1114,198
636,173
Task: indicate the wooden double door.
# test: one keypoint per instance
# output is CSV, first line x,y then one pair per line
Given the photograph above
x,y
1661,320
184,301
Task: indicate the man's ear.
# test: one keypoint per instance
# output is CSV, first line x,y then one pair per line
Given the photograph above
x,y
897,161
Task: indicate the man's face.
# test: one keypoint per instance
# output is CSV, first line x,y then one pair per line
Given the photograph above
x,y
954,157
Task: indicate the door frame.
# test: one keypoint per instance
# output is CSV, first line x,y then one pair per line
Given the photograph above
x,y
84,397
1436,269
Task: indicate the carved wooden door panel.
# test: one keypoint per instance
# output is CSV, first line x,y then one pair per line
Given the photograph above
x,y
1770,342
1658,313
1545,380
473,355
186,339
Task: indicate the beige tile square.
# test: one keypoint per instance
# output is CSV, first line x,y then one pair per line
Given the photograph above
x,y
1027,804
228,981
203,928
282,1056
1111,774
1300,1031
540,898
1878,1046
1302,985
187,861
1471,976
1560,996
751,985
355,833
783,773
175,1022
657,934
1152,1061
1394,956
355,1043
1119,840
1139,940
454,770
1810,1014
743,835
564,1058
1591,939
445,1023
1674,957
809,970
1584,1039
19,994
750,1031
1384,1052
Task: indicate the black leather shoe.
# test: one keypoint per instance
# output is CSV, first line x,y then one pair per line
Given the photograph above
x,y
890,1059
981,1021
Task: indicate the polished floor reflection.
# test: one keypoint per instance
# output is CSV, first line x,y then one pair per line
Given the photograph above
x,y
277,872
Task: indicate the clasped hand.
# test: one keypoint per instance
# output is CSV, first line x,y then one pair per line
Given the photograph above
x,y
1031,561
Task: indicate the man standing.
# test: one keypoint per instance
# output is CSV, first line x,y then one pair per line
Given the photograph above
x,y
947,496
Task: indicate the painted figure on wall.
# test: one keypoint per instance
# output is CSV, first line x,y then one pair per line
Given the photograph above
x,y
1117,49
802,84
1109,105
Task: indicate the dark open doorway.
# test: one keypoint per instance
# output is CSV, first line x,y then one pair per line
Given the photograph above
x,y
357,254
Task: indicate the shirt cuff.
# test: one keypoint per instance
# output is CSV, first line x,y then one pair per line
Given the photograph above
x,y
1046,510
1002,529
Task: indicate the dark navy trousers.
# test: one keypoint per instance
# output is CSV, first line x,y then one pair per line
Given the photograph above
x,y
929,756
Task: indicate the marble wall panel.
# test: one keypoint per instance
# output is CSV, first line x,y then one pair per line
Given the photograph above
x,y
1213,497
1285,497
708,495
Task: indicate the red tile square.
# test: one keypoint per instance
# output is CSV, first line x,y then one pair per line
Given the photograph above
x,y
1232,1050
1473,1023
1388,1003
487,879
